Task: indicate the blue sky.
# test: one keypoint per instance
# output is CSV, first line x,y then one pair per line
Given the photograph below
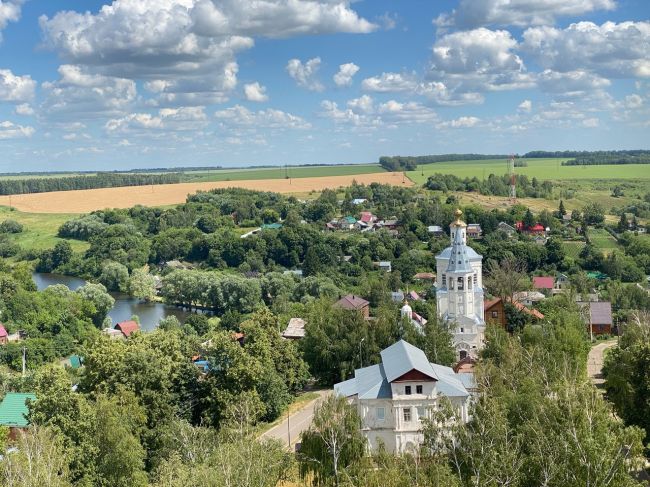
x,y
91,85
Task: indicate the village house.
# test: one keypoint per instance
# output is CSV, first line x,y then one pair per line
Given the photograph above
x,y
597,316
474,230
495,312
14,410
562,282
394,397
4,336
424,276
536,229
351,302
507,229
528,298
544,284
384,265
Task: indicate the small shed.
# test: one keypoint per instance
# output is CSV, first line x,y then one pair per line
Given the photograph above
x,y
295,330
127,328
14,411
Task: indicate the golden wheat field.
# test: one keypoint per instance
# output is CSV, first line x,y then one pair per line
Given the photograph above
x,y
84,201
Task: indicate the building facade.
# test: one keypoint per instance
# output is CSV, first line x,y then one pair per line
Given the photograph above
x,y
395,396
459,291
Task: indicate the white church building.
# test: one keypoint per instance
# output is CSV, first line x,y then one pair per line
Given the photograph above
x,y
459,291
393,397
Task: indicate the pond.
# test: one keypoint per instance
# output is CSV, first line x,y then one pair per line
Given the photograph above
x,y
125,306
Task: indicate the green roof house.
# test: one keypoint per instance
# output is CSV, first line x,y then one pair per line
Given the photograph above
x,y
14,410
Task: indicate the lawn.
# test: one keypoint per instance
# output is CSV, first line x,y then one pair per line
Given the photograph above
x,y
572,248
543,169
40,229
281,172
602,240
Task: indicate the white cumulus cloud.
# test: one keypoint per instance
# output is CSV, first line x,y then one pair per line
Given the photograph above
x,y
255,92
305,74
345,74
270,118
525,106
521,13
16,88
9,12
10,130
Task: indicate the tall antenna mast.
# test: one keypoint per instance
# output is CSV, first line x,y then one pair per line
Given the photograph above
x,y
513,179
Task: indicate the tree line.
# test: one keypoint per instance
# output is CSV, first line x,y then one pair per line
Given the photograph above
x,y
410,163
69,183
493,185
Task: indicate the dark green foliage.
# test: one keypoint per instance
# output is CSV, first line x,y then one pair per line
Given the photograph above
x,y
11,226
410,163
493,185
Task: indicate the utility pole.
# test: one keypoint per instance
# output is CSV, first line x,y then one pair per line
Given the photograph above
x,y
360,356
24,360
288,429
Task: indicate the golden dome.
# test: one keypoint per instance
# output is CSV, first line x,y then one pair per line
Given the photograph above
x,y
458,223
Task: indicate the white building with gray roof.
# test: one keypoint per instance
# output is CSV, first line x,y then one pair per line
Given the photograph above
x,y
393,397
459,291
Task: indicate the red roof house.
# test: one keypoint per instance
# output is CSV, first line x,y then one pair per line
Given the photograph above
x,y
367,217
127,327
543,282
354,303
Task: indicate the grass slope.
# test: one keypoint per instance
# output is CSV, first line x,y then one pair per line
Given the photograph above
x,y
602,240
40,229
543,169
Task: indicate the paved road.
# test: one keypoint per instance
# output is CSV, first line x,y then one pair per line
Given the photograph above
x,y
299,421
595,361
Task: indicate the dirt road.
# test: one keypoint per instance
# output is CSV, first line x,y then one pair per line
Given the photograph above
x,y
289,431
595,361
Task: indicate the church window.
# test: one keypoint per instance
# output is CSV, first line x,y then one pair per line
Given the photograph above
x,y
475,279
463,234
460,284
469,283
451,284
418,389
380,413
407,390
422,413
462,330
463,354
407,414
444,280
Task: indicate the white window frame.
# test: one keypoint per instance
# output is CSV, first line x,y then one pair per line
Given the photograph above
x,y
380,417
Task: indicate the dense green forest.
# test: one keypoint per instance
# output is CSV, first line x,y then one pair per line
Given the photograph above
x,y
99,180
610,157
493,185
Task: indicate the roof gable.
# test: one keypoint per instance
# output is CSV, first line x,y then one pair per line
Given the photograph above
x,y
401,358
127,327
543,282
350,301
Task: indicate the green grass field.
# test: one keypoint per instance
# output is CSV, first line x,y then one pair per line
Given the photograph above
x,y
602,240
281,172
573,249
40,229
544,169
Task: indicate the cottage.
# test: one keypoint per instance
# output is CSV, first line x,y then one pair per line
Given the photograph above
x,y
367,217
495,312
543,283
14,410
562,282
394,397
597,316
384,265
507,229
474,230
351,302
424,276
295,330
127,328
4,336
528,298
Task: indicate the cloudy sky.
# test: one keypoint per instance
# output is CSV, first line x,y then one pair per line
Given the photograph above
x,y
86,84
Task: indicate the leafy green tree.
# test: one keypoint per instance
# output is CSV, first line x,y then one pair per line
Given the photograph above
x,y
11,226
101,300
115,276
40,459
627,374
120,243
561,209
529,219
142,285
333,441
623,225
593,214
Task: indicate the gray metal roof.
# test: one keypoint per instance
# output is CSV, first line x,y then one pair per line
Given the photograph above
x,y
601,313
471,254
459,257
374,382
402,357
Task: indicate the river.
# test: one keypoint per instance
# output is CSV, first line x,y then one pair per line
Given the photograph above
x,y
125,306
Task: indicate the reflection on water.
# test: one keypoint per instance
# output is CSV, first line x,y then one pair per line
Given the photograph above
x,y
125,306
